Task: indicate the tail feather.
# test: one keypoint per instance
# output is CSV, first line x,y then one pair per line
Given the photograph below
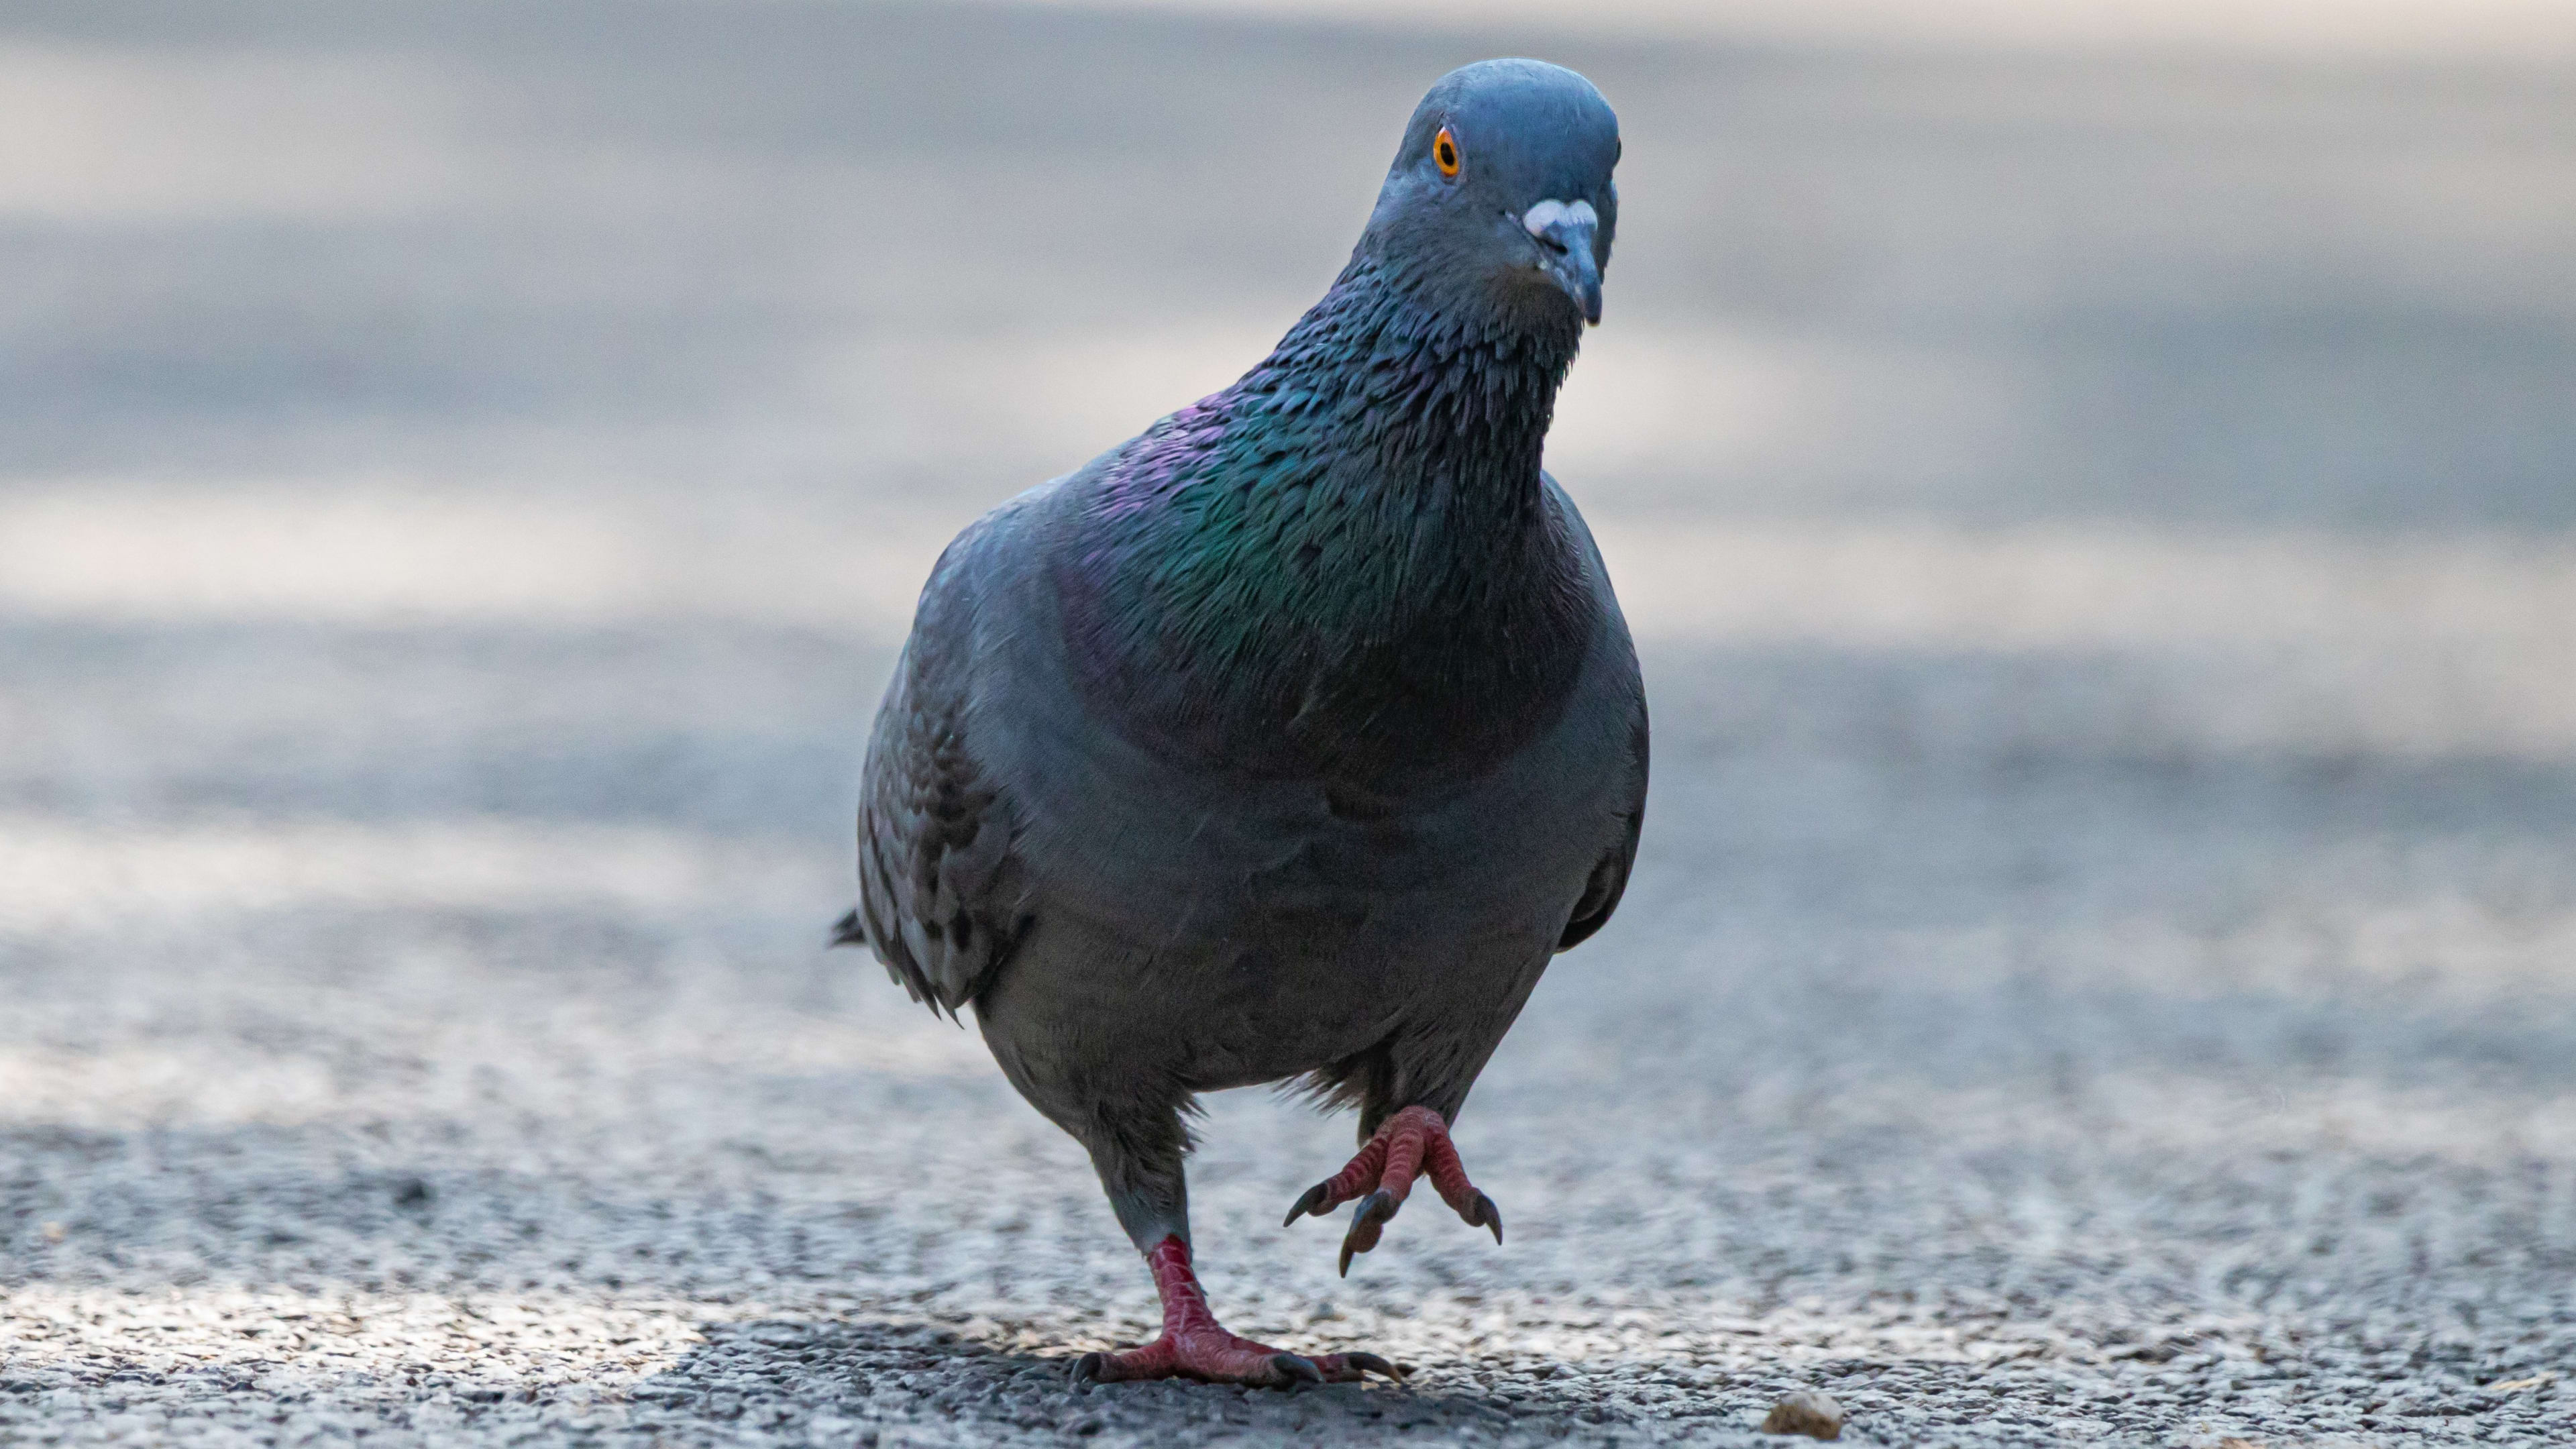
x,y
848,931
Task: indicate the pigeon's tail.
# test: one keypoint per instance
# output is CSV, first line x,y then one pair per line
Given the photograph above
x,y
848,932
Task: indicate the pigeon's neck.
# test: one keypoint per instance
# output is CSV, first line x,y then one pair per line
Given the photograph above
x,y
1448,408
1347,561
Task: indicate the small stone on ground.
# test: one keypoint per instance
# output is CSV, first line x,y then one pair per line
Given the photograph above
x,y
1814,1415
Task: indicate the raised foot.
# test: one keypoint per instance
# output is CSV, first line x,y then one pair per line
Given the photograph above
x,y
1413,1142
1193,1345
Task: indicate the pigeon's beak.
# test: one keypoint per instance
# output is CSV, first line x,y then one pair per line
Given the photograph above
x,y
1564,235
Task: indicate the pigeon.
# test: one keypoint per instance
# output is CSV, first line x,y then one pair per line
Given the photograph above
x,y
1288,740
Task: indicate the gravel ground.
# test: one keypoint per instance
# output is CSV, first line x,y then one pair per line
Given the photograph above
x,y
2101,539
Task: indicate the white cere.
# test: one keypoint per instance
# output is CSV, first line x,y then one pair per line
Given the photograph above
x,y
1550,212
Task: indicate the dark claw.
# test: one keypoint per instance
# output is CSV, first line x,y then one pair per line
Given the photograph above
x,y
1371,1363
1488,1216
1316,1203
1374,1211
1086,1369
1294,1370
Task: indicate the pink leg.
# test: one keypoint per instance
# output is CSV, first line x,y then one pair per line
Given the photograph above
x,y
1194,1345
1411,1143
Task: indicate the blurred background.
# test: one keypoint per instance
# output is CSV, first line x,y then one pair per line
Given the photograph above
x,y
2095,486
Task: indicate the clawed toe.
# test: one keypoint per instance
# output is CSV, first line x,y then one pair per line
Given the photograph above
x,y
1352,1368
1219,1357
1375,1211
1371,1363
1413,1142
1317,1202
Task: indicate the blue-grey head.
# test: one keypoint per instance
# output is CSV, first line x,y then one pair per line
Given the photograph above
x,y
1500,196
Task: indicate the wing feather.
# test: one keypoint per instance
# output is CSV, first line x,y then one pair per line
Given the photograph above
x,y
942,899
1609,879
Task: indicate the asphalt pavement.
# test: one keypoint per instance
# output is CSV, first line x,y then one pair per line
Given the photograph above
x,y
2101,530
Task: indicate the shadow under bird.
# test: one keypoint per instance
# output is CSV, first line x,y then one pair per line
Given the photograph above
x,y
1289,739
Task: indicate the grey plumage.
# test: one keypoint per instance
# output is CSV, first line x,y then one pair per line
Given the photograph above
x,y
1290,738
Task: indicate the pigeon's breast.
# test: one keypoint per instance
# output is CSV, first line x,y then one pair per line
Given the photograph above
x,y
1412,666
1241,926
1181,851
1273,927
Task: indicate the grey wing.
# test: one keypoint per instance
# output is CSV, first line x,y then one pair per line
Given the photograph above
x,y
1609,878
942,899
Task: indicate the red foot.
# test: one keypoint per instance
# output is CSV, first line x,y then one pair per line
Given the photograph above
x,y
1195,1346
1411,1142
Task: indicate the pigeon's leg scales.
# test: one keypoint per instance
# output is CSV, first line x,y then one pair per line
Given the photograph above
x,y
1414,1142
1194,1345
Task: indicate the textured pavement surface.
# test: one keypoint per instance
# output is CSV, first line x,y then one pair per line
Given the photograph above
x,y
2102,534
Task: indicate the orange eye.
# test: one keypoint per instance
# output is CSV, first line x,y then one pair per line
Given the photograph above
x,y
1444,150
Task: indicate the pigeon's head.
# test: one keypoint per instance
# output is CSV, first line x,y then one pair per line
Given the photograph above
x,y
1500,197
